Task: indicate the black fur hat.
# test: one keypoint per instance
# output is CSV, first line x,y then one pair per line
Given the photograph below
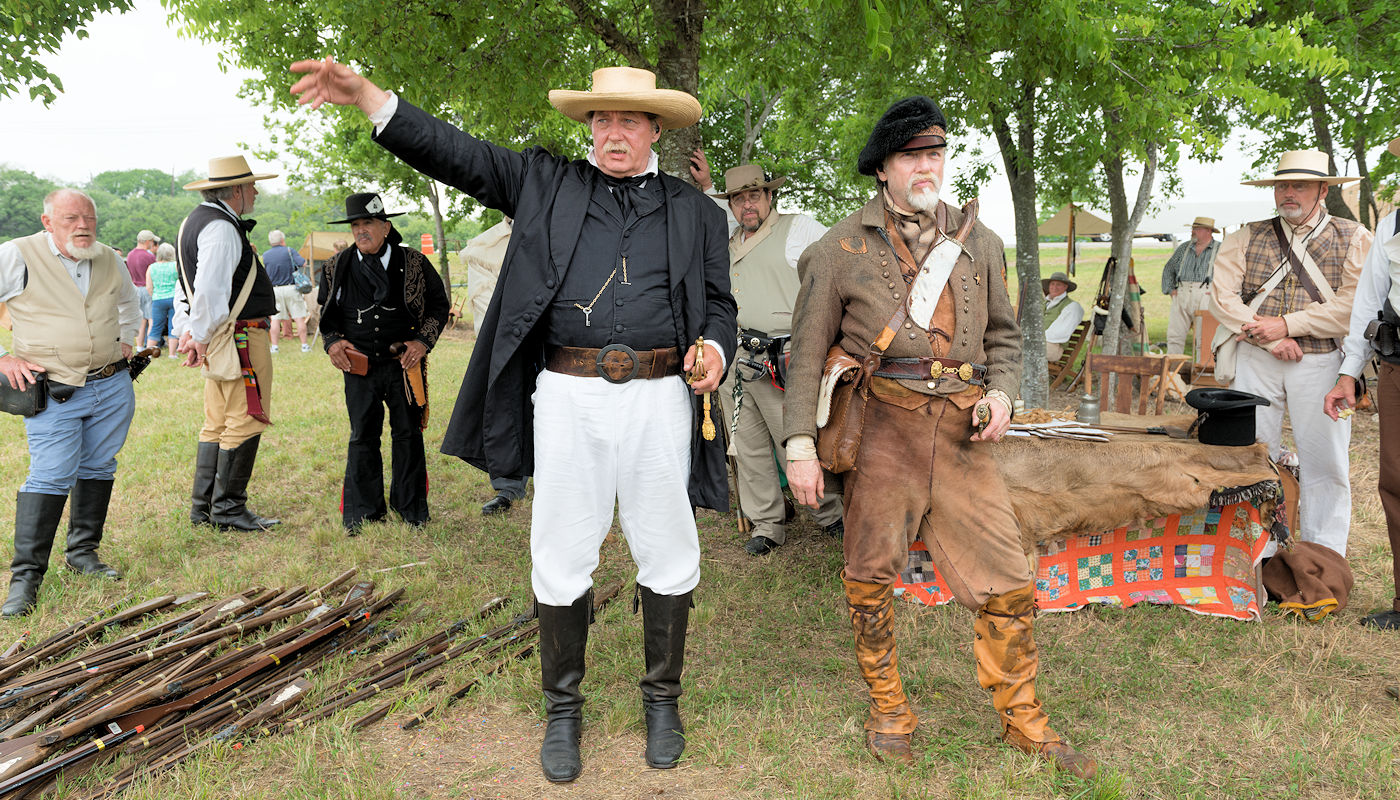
x,y
900,123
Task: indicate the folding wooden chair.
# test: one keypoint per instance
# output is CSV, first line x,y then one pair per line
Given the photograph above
x,y
1078,343
1127,368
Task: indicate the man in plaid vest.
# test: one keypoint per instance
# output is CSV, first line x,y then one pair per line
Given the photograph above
x,y
1285,287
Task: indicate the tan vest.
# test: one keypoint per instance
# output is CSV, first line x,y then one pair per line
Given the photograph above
x,y
764,284
55,326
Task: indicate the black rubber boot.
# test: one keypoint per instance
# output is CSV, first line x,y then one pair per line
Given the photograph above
x,y
664,620
229,509
206,465
563,640
86,519
36,521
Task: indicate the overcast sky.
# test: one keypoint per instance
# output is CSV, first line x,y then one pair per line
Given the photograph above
x,y
137,96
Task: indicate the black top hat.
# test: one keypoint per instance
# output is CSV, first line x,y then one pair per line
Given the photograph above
x,y
1225,416
902,122
364,205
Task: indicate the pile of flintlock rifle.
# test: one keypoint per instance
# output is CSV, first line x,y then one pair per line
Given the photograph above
x,y
200,673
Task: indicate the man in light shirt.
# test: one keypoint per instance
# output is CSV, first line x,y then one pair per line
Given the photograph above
x,y
1186,277
75,316
1289,314
1375,331
223,276
1062,315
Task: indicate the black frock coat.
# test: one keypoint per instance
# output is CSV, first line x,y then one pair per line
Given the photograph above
x,y
492,423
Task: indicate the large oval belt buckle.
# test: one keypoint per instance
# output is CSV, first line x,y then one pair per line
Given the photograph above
x,y
617,363
965,372
935,370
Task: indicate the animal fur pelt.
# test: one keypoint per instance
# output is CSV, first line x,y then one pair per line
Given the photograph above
x,y
1061,488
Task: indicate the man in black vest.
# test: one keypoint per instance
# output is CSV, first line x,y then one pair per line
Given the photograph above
x,y
613,272
222,277
387,304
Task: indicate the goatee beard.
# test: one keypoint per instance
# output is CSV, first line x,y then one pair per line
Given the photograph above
x,y
925,200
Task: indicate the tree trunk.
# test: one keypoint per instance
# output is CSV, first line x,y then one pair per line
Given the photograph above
x,y
1317,107
679,26
1018,157
1365,195
1124,225
444,267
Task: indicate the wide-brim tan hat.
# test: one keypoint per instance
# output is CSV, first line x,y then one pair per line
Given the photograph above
x,y
1301,165
747,177
628,89
1394,147
227,171
1062,278
1205,222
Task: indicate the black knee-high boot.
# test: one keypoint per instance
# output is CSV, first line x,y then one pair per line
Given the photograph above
x,y
206,466
229,509
36,521
563,640
86,519
664,620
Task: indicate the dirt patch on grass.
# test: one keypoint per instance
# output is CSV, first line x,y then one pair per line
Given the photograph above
x,y
493,753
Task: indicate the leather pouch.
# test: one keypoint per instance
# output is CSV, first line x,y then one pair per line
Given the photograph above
x,y
841,411
25,402
359,362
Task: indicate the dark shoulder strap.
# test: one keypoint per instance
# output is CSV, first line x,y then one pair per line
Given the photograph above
x,y
1296,263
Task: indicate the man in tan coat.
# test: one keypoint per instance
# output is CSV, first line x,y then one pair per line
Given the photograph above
x,y
933,311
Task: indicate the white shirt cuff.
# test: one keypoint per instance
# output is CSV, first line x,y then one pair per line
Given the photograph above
x,y
801,447
380,118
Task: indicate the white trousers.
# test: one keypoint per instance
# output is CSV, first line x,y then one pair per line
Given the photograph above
x,y
1323,463
600,445
1190,298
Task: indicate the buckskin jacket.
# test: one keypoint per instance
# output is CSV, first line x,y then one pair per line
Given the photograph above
x,y
492,425
851,287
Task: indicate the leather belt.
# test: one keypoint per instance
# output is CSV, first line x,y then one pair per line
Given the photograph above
x,y
616,363
108,371
921,369
261,322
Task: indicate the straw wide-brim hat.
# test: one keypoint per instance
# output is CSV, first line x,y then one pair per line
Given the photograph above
x,y
1058,276
628,89
1301,165
747,177
1205,222
1394,147
227,171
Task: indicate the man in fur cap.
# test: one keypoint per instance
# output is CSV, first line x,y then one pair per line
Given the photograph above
x,y
927,308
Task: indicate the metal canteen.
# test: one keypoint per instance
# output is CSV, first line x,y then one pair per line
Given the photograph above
x,y
1088,409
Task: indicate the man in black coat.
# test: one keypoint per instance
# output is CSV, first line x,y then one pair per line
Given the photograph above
x,y
613,273
382,309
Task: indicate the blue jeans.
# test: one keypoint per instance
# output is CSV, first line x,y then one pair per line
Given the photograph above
x,y
79,439
162,320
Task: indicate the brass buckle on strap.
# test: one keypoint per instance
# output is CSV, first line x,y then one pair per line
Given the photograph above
x,y
617,363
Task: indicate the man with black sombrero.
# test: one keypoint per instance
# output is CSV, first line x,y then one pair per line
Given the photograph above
x,y
383,307
222,279
1284,286
616,280
1375,331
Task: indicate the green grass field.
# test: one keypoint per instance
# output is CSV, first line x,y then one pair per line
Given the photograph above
x,y
1173,705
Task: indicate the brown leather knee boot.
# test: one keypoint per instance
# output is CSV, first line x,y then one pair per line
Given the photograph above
x,y
890,723
1007,662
